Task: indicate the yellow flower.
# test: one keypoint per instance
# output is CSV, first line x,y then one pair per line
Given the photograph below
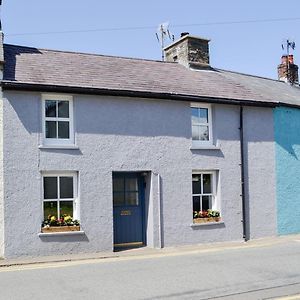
x,y
68,218
53,218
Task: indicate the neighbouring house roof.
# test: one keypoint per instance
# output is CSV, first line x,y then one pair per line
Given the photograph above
x,y
40,69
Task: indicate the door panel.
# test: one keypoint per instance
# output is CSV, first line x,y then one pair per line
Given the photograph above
x,y
128,200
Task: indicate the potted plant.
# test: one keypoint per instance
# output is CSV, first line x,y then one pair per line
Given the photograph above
x,y
204,216
65,223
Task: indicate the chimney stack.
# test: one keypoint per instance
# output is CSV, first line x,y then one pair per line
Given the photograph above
x,y
287,70
190,51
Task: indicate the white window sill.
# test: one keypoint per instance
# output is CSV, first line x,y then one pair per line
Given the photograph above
x,y
42,234
67,147
205,147
206,224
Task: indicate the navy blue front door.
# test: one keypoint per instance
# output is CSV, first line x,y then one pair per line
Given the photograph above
x,y
128,203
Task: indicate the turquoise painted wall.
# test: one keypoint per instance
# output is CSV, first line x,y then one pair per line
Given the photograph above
x,y
287,137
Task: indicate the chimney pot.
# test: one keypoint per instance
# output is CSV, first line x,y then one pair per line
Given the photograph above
x,y
287,70
184,33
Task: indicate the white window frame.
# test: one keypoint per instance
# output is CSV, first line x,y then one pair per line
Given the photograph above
x,y
214,194
75,199
209,142
57,141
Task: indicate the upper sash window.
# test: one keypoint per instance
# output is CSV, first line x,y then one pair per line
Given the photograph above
x,y
57,120
201,122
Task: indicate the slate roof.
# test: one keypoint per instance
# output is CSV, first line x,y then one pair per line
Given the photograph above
x,y
25,66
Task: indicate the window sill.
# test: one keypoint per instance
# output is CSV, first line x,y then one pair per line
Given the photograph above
x,y
66,147
205,147
207,224
62,233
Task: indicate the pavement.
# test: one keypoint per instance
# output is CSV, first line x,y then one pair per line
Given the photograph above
x,y
145,252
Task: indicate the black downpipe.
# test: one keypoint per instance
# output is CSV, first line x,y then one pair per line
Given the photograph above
x,y
243,173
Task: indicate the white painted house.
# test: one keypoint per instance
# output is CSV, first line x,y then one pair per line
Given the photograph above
x,y
131,148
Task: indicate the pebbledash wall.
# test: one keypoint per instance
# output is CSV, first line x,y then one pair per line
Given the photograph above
x,y
122,134
287,136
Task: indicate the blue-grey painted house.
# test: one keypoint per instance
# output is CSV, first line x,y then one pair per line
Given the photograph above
x,y
131,148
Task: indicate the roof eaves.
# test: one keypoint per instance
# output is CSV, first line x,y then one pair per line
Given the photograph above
x,y
22,86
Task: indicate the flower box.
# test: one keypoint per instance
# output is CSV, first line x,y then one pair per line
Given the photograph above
x,y
207,220
60,228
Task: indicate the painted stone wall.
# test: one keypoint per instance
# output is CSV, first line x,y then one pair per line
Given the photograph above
x,y
1,181
287,135
122,134
260,178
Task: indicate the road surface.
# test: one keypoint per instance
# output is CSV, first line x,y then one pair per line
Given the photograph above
x,y
268,271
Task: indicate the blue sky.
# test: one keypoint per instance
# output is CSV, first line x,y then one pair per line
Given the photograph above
x,y
253,48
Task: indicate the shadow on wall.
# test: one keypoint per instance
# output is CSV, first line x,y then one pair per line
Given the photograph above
x,y
132,117
64,239
162,227
209,227
203,152
109,116
287,128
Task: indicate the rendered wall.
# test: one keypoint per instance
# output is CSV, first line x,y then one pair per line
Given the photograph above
x,y
287,135
2,223
120,134
260,181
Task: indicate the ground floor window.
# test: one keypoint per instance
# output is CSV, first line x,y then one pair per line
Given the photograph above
x,y
205,200
60,199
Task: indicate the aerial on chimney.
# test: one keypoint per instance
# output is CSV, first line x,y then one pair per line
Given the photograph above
x,y
190,51
287,70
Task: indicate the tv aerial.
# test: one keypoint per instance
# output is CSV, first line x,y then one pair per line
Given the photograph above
x,y
162,34
287,45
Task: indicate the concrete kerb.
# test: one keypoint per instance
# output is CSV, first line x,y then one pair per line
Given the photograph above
x,y
150,252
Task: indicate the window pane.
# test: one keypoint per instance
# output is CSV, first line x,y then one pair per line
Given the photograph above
x,y
50,108
203,133
203,115
63,109
131,184
66,187
51,130
207,184
63,130
50,209
196,184
196,203
131,198
66,208
195,115
118,199
50,187
206,202
118,184
195,132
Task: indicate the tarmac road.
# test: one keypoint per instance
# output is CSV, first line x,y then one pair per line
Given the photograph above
x,y
258,271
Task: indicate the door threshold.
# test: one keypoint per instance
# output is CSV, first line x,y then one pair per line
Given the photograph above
x,y
126,246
